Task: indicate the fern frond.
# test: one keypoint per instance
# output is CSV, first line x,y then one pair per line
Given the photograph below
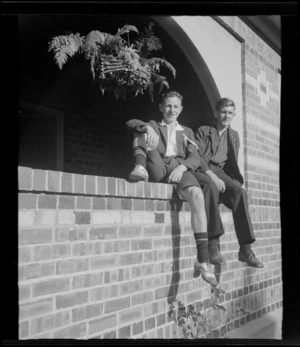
x,y
92,42
161,81
148,41
126,29
156,62
65,46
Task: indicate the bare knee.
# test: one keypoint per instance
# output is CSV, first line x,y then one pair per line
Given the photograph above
x,y
194,196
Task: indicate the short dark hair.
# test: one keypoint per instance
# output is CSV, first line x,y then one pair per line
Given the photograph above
x,y
224,102
170,94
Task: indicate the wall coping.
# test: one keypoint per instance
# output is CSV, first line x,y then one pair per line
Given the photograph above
x,y
49,181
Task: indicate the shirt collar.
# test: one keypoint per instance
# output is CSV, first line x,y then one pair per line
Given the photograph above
x,y
177,127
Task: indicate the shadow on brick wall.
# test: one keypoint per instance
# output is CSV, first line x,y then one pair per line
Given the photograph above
x,y
176,206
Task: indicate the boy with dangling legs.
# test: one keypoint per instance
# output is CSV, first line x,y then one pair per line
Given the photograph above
x,y
221,181
166,151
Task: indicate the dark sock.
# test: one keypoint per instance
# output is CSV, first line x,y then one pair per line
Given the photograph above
x,y
246,247
202,247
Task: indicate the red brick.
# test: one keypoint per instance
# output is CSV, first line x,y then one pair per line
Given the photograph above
x,y
121,187
47,201
27,201
25,175
90,184
141,298
61,318
73,299
149,205
66,182
84,203
41,324
79,249
99,203
70,234
101,186
103,261
102,293
24,292
30,236
101,324
160,205
126,204
147,191
150,323
35,308
159,217
78,184
72,265
87,280
110,335
23,330
66,202
130,189
141,244
39,180
130,259
50,286
161,319
103,233
82,217
111,186
138,204
86,312
130,287
129,231
116,304
155,230
113,204
121,246
137,328
72,332
51,252
24,254
54,181
124,332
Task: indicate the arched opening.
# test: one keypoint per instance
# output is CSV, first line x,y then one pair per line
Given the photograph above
x,y
95,140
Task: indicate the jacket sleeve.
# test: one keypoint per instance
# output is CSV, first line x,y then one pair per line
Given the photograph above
x,y
192,159
137,125
201,136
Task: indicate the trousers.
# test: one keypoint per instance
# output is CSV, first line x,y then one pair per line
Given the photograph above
x,y
234,197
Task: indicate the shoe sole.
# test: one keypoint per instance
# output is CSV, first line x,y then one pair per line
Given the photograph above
x,y
136,178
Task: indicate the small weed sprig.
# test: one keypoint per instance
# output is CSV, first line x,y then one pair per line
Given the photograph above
x,y
195,324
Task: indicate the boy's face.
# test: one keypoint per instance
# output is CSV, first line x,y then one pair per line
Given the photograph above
x,y
170,109
224,116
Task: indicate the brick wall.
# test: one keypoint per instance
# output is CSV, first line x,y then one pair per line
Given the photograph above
x,y
100,257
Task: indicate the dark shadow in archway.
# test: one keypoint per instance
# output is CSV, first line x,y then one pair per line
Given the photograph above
x,y
176,206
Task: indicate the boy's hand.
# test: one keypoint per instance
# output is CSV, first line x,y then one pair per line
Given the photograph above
x,y
176,174
152,137
218,182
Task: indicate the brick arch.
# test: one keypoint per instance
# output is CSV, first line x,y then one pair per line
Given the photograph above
x,y
192,54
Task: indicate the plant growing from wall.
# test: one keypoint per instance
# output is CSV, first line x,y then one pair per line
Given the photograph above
x,y
116,65
195,324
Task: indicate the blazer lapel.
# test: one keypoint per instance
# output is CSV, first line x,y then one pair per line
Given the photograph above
x,y
164,135
179,141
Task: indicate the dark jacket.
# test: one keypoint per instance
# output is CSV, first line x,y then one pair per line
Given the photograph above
x,y
186,142
205,136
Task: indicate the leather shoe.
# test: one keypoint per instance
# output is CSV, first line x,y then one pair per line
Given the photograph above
x,y
215,257
206,276
249,258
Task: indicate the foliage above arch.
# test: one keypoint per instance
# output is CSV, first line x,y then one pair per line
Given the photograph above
x,y
116,65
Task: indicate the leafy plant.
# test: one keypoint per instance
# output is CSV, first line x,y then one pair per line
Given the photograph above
x,y
195,324
116,65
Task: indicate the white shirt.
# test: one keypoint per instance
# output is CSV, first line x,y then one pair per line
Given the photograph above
x,y
172,149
